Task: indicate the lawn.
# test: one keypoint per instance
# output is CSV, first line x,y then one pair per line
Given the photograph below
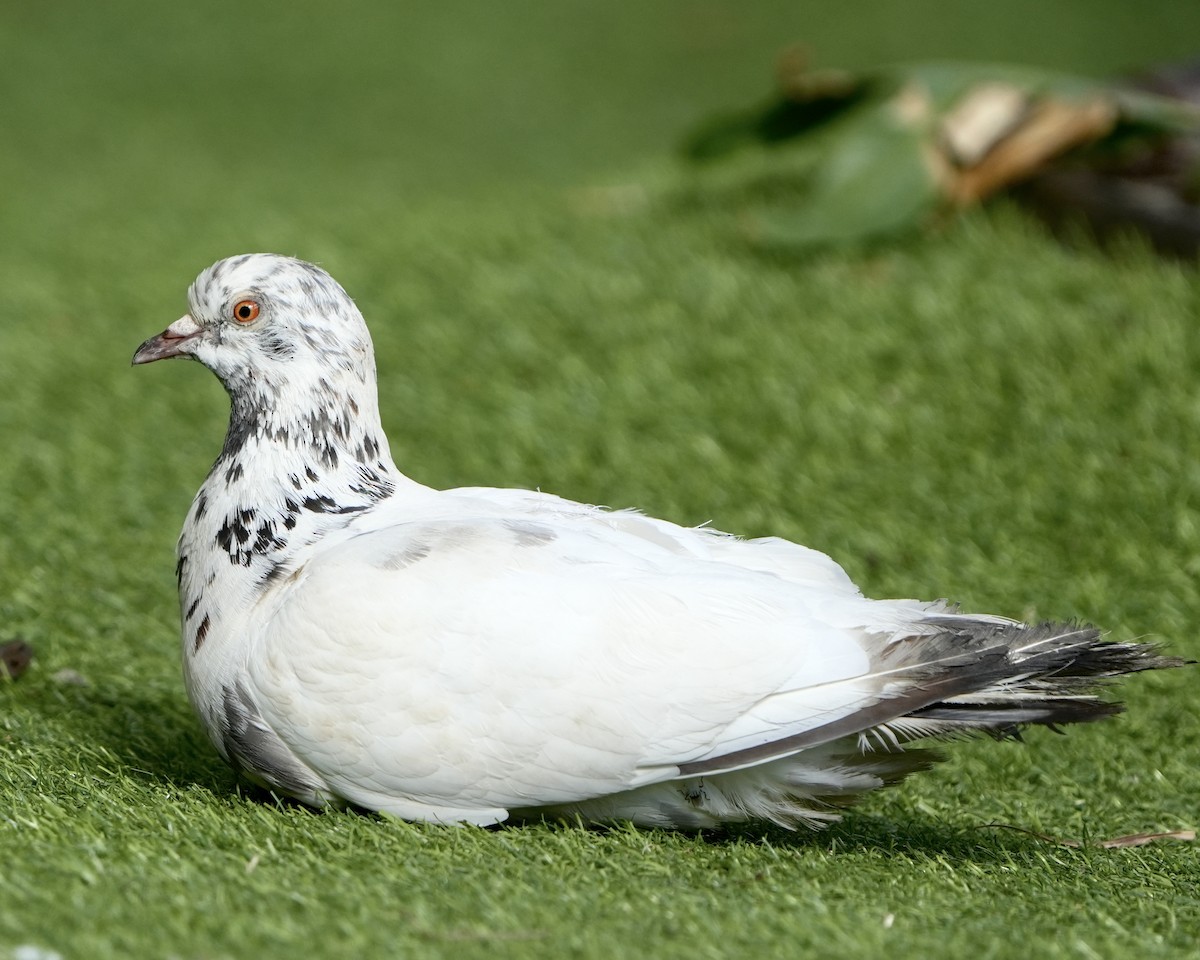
x,y
983,414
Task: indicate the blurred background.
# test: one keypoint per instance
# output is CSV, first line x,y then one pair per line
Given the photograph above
x,y
139,126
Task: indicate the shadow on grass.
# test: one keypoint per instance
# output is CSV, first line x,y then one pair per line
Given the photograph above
x,y
913,838
152,732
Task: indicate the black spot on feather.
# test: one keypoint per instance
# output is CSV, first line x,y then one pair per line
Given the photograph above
x,y
324,504
242,541
226,535
201,633
274,573
371,485
328,455
265,539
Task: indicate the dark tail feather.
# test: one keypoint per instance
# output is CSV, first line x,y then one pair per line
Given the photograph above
x,y
1051,676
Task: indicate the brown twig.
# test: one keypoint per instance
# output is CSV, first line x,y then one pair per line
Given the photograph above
x,y
1116,843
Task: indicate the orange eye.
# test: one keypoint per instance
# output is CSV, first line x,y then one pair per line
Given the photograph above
x,y
245,311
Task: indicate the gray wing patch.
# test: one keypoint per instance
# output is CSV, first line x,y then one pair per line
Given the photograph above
x,y
254,748
530,534
880,712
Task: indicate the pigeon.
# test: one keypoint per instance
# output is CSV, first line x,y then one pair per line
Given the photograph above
x,y
354,638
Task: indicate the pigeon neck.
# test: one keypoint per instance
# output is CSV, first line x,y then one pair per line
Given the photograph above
x,y
280,484
324,454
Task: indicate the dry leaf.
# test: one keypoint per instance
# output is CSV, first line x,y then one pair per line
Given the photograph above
x,y
980,120
1116,843
1050,128
1140,839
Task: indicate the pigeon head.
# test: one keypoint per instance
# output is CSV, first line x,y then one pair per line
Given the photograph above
x,y
294,355
262,319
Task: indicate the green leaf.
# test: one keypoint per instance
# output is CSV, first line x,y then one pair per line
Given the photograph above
x,y
877,179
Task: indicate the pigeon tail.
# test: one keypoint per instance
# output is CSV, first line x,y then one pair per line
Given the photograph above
x,y
1050,674
955,675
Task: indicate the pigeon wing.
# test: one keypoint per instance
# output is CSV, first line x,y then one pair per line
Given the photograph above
x,y
483,663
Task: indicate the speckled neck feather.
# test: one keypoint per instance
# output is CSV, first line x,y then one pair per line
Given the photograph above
x,y
319,452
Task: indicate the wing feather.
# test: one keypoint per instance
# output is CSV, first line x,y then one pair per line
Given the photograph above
x,y
513,652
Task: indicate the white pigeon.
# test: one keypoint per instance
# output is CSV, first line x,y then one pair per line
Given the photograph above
x,y
477,655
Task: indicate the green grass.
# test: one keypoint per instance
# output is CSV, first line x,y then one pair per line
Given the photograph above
x,y
982,414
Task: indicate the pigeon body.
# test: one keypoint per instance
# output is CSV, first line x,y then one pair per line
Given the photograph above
x,y
478,655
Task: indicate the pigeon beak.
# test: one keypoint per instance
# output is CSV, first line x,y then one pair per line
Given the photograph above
x,y
170,343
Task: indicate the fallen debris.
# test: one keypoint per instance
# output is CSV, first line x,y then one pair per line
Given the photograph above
x,y
15,657
1116,843
900,147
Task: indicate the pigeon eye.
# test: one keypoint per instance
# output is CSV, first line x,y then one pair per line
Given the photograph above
x,y
245,311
